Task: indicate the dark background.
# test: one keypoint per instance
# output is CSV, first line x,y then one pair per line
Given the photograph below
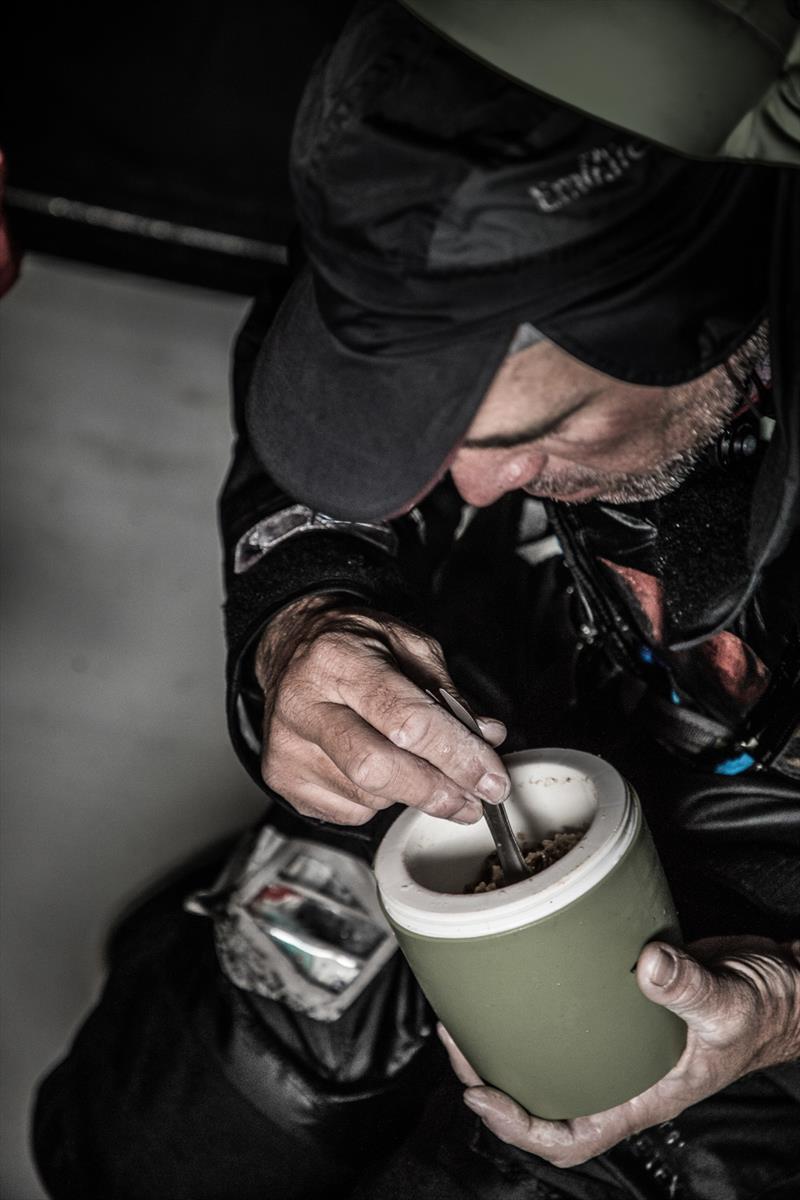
x,y
137,134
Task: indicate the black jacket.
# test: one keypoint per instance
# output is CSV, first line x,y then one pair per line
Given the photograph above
x,y
182,1085
719,559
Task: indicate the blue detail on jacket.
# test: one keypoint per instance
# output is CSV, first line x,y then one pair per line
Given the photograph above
x,y
735,765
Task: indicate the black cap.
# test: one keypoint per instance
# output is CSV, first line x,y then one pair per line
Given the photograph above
x,y
442,205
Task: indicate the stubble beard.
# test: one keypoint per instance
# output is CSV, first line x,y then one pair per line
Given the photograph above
x,y
704,408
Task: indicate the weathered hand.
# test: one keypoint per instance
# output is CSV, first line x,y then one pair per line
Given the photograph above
x,y
349,729
740,998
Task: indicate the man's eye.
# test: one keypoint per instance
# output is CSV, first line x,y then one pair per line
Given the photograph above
x,y
562,428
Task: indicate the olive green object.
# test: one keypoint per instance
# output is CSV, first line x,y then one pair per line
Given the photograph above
x,y
703,77
545,1005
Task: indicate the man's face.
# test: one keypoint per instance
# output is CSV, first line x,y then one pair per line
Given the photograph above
x,y
557,428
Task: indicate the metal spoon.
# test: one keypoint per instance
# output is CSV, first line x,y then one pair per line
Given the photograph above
x,y
512,863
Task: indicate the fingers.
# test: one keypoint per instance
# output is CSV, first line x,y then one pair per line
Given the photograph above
x,y
380,770
740,1008
564,1143
323,805
327,775
502,1115
493,730
710,951
366,679
508,1121
724,1010
412,722
351,718
676,980
463,1069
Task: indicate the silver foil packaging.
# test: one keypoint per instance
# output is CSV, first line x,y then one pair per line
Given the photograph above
x,y
298,922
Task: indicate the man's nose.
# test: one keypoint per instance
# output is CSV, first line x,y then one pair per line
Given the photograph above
x,y
483,476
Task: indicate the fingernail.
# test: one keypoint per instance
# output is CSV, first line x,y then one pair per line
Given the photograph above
x,y
490,727
493,788
474,1101
664,968
469,814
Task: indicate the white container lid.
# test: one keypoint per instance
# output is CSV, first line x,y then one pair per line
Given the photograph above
x,y
424,863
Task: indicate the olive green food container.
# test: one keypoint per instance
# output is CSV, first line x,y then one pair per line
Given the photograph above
x,y
534,981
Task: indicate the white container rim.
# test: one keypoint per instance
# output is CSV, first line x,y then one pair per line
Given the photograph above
x,y
545,782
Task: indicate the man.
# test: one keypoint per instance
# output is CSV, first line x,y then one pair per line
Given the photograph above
x,y
524,426
396,323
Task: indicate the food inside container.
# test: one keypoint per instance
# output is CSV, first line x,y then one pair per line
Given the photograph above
x,y
538,856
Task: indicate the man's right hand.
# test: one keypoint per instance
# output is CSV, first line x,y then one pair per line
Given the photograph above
x,y
349,729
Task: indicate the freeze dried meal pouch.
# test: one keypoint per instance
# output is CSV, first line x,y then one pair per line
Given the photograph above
x,y
297,922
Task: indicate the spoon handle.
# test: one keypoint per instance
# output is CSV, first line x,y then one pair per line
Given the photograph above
x,y
512,863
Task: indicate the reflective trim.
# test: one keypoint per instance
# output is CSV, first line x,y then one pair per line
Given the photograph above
x,y
788,761
537,552
252,742
536,541
525,335
279,526
464,521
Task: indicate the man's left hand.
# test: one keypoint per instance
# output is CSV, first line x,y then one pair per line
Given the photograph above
x,y
740,999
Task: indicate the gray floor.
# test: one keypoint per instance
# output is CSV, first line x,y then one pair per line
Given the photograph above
x,y
115,758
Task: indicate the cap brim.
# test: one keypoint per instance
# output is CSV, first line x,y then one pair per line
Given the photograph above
x,y
361,435
707,79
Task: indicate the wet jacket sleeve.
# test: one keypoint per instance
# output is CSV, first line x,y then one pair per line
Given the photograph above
x,y
277,550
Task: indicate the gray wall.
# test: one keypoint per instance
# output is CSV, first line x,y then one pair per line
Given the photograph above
x,y
115,762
